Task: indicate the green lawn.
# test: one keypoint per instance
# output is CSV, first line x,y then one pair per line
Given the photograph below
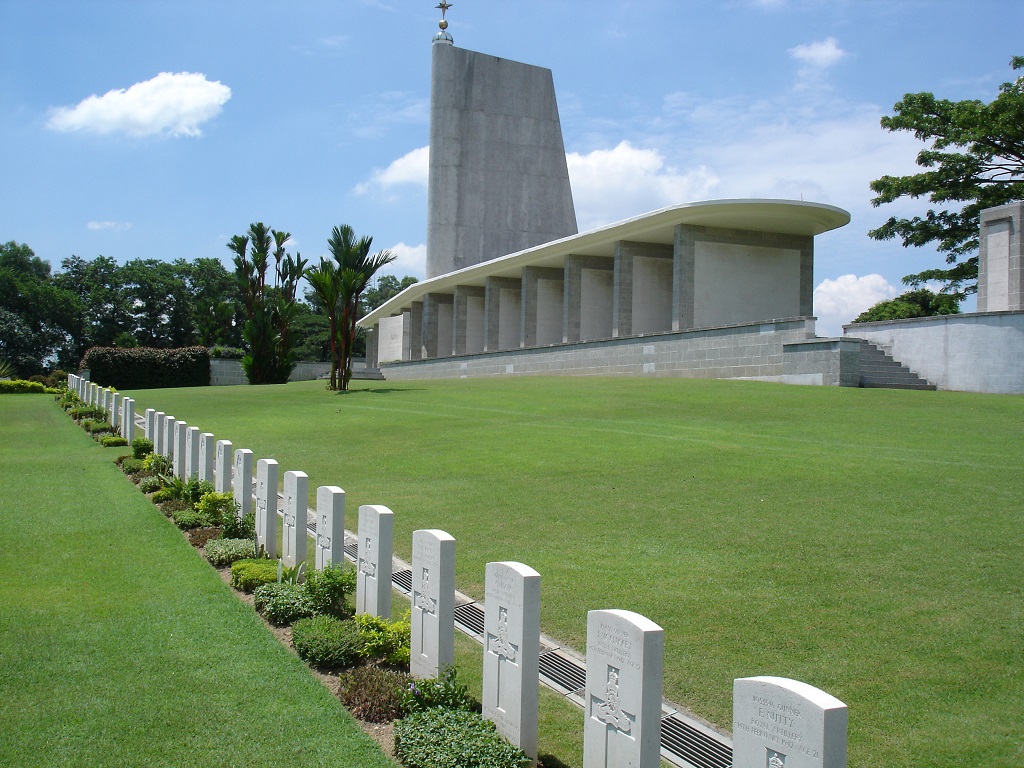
x,y
863,541
119,645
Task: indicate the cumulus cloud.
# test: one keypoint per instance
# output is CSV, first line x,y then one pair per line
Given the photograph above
x,y
116,226
411,168
612,184
168,104
412,260
820,55
839,301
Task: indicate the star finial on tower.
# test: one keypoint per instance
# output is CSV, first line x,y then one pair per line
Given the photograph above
x,y
443,36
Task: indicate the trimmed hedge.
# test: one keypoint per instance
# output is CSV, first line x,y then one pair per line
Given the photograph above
x,y
148,368
453,738
21,387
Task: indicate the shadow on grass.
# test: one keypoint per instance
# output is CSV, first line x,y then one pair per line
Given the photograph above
x,y
550,761
378,390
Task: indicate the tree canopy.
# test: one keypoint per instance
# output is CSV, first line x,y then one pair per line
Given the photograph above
x,y
917,303
975,161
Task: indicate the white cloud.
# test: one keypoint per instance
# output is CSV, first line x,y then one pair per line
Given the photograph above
x,y
168,104
820,55
612,184
411,168
412,260
116,226
839,301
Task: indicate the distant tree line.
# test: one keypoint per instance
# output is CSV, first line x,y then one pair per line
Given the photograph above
x,y
49,319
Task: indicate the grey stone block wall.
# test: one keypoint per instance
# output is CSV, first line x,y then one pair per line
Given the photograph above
x,y
751,351
229,373
823,362
1001,259
978,352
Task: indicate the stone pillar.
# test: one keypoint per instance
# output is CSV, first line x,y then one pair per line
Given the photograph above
x,y
625,653
502,313
373,562
206,453
437,325
241,481
266,506
372,342
432,647
781,723
1001,259
641,301
512,652
330,526
296,492
541,319
416,330
585,308
468,319
222,465
407,334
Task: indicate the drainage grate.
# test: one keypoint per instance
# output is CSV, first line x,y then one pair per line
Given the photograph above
x,y
563,672
693,746
471,617
352,550
403,580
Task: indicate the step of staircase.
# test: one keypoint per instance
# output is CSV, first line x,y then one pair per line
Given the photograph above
x,y
878,370
368,374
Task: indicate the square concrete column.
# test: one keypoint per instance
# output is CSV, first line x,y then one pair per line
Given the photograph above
x,y
588,298
1001,259
437,324
642,288
407,334
415,326
542,312
502,313
468,320
372,340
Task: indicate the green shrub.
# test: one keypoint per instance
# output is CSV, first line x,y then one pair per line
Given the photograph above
x,y
131,466
328,588
221,552
219,507
20,387
325,641
164,494
113,441
227,353
149,484
451,738
194,489
86,412
141,447
441,691
156,464
248,574
239,527
190,518
384,640
147,368
282,603
373,693
94,427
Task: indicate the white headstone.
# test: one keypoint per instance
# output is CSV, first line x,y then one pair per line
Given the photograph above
x,y
625,652
222,467
373,561
170,443
178,455
115,410
128,419
151,424
330,526
190,463
241,482
782,723
266,505
293,531
512,652
159,444
433,603
206,450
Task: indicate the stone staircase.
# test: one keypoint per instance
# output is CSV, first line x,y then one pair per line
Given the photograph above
x,y
367,374
879,370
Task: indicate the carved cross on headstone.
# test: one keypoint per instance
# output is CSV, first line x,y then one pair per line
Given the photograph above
x,y
506,651
365,564
427,604
608,710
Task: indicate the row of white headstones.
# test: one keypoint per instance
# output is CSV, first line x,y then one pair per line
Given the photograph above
x,y
777,722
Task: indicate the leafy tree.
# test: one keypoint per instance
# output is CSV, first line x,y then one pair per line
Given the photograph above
x,y
106,306
325,283
384,288
269,309
975,161
356,267
919,303
311,331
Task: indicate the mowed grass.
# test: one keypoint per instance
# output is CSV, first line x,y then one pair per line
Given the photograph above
x,y
867,542
119,645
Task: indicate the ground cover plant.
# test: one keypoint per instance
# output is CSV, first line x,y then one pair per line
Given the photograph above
x,y
120,646
862,541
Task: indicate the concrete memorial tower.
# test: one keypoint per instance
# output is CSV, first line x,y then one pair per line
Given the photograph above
x,y
498,179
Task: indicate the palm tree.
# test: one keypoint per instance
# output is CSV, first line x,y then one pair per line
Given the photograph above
x,y
355,268
325,281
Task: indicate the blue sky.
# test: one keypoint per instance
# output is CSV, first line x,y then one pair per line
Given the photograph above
x,y
306,114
